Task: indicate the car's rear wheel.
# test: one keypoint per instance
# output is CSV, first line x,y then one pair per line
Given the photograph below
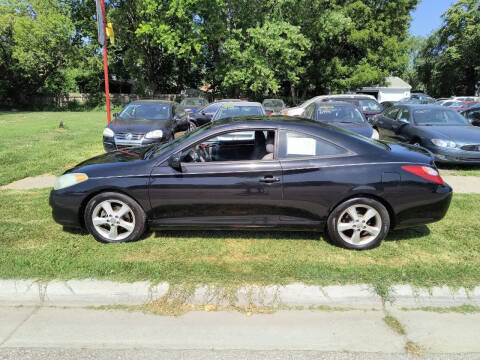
x,y
359,223
114,217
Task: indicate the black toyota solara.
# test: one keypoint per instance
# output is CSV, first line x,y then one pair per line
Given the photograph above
x,y
255,173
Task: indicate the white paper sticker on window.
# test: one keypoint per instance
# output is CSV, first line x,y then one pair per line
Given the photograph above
x,y
301,146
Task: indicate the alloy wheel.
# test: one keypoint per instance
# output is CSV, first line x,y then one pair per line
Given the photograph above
x,y
359,224
113,219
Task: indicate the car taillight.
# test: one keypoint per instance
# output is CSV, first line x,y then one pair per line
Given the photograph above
x,y
425,172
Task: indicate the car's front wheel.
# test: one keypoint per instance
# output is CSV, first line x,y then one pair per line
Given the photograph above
x,y
114,217
359,223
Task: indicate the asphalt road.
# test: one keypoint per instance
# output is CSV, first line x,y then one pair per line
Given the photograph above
x,y
72,333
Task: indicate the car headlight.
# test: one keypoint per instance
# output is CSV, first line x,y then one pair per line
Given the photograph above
x,y
444,143
155,134
107,132
68,180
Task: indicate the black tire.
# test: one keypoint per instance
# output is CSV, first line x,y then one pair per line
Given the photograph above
x,y
135,212
333,221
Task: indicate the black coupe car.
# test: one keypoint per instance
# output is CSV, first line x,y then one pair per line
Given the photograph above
x,y
341,114
143,123
443,131
289,174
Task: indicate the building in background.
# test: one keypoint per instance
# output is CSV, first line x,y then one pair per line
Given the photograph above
x,y
395,90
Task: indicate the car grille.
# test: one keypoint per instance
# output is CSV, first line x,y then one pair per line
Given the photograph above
x,y
471,147
125,136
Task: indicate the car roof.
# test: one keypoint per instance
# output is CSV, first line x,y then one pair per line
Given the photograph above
x,y
349,96
335,102
423,106
241,103
166,102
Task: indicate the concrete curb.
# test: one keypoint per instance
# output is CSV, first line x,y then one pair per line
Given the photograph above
x,y
96,293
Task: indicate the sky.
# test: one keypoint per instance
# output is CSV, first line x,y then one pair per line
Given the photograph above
x,y
427,16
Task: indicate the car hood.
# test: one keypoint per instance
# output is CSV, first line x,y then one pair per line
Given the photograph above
x,y
363,129
139,126
116,159
459,134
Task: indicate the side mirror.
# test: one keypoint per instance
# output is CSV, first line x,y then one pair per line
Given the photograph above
x,y
174,162
476,122
115,115
404,121
203,113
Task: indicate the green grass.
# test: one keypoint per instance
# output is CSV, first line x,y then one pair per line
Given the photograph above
x,y
459,170
32,144
33,246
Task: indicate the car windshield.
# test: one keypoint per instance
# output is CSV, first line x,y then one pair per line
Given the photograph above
x,y
438,117
339,114
159,149
370,105
193,102
228,111
146,111
273,103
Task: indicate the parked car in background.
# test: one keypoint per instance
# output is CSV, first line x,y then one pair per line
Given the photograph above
x,y
472,115
288,174
466,98
203,116
417,100
441,101
387,104
453,104
193,104
367,104
235,109
442,131
342,114
467,105
422,98
273,106
298,110
143,123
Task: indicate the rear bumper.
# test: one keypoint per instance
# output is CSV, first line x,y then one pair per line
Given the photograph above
x,y
426,210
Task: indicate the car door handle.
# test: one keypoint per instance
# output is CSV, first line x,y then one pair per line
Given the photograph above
x,y
269,179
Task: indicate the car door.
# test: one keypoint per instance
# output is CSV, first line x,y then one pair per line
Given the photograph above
x,y
401,124
310,183
385,122
220,183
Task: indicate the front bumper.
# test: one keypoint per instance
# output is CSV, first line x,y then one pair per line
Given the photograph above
x,y
455,156
112,144
66,208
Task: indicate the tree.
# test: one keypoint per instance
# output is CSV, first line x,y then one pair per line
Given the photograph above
x,y
259,60
449,62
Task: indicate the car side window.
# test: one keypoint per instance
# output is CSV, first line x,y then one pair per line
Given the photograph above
x,y
403,114
391,113
309,111
233,146
299,145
